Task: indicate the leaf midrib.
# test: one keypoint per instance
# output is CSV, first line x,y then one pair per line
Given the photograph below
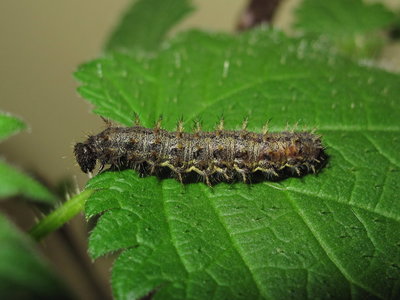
x,y
234,245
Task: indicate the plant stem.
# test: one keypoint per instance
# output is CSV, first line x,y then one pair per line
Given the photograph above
x,y
60,216
257,12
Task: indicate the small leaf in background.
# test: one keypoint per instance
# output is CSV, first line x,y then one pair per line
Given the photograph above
x,y
23,272
146,23
9,125
354,26
12,181
335,234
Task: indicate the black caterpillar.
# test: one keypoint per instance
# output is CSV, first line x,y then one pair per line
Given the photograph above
x,y
220,155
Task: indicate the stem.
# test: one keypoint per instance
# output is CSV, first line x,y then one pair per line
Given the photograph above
x,y
257,12
60,216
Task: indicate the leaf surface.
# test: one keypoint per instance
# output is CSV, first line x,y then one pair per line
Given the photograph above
x,y
146,23
23,272
12,181
342,17
9,125
334,235
352,25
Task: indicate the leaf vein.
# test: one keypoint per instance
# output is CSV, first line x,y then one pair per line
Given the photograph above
x,y
167,221
329,253
235,246
326,197
381,151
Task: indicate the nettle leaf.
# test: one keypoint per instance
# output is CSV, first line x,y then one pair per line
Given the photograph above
x,y
146,23
12,181
331,235
24,274
352,25
9,125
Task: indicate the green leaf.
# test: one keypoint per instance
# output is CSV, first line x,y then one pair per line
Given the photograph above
x,y
24,274
9,125
334,235
146,23
351,24
342,17
13,182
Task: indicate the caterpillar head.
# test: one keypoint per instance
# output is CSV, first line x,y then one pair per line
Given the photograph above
x,y
85,156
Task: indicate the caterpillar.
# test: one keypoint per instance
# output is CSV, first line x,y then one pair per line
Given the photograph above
x,y
214,156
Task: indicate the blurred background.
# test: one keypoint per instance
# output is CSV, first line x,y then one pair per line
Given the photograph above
x,y
43,42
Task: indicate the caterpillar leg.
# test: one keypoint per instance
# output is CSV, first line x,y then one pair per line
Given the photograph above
x,y
195,169
177,171
297,170
101,168
223,172
179,177
204,174
168,165
241,172
152,167
208,182
268,171
292,167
